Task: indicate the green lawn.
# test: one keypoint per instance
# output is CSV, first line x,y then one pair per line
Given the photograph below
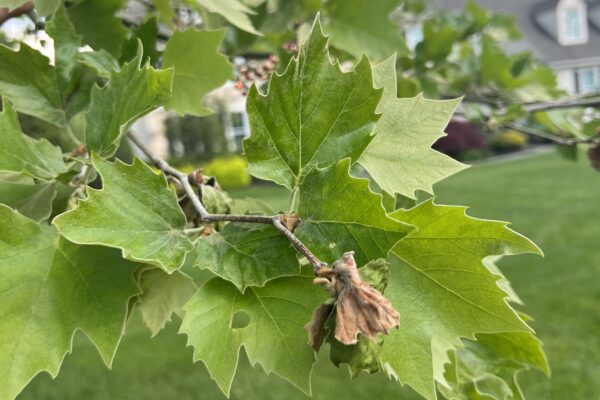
x,y
554,202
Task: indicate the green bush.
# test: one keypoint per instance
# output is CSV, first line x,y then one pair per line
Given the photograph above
x,y
508,141
230,171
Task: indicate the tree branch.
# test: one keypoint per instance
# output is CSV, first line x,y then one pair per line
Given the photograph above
x,y
564,103
555,138
205,216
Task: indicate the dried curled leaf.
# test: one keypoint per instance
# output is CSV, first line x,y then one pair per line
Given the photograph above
x,y
359,307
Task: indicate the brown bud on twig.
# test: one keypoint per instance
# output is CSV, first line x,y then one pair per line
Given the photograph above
x,y
359,307
290,221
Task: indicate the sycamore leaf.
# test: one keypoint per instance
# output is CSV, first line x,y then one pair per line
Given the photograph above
x,y
162,295
400,158
66,47
135,211
21,153
29,81
247,254
199,68
359,27
340,213
147,35
130,93
312,115
233,11
101,62
443,291
489,365
96,21
33,200
49,288
274,336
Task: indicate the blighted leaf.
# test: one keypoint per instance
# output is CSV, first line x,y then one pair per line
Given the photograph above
x,y
443,291
274,335
199,68
400,158
360,27
364,356
162,296
21,153
132,92
50,288
33,200
135,211
359,308
340,213
247,254
312,115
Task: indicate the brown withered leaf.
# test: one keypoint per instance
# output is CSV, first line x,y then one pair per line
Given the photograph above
x,y
359,307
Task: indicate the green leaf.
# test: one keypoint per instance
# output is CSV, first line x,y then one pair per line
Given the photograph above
x,y
49,289
489,365
95,20
21,153
66,47
33,200
400,158
247,254
130,93
147,34
162,295
29,81
199,68
233,11
313,115
340,213
101,62
360,27
135,211
443,291
274,337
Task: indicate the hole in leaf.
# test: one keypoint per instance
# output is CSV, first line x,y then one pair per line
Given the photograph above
x,y
241,319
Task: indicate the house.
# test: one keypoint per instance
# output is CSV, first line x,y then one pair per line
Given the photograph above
x,y
565,34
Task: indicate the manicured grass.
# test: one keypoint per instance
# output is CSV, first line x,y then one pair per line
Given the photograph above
x,y
554,202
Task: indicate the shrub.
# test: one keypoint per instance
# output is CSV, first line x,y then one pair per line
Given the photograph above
x,y
461,137
508,141
230,171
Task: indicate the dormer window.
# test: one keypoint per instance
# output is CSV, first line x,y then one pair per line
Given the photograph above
x,y
572,22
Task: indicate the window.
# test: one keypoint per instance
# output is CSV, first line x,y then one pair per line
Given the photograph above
x,y
587,80
572,22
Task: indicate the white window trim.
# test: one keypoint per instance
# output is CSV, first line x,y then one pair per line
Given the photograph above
x,y
564,5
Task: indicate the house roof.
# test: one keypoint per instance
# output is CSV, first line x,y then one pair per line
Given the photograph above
x,y
537,21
